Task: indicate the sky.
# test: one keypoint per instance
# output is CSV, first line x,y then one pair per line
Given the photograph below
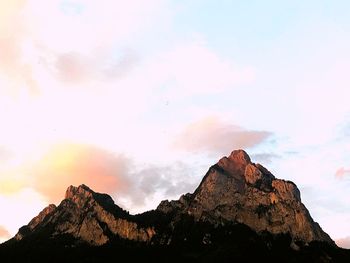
x,y
139,98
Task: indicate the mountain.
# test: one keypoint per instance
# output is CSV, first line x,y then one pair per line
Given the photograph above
x,y
237,190
86,216
240,212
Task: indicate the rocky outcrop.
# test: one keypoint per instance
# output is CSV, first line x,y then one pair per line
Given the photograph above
x,y
89,217
237,190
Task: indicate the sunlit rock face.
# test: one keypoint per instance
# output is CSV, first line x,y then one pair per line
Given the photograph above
x,y
237,190
89,217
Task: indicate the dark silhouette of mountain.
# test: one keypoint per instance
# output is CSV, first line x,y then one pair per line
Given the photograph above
x,y
239,213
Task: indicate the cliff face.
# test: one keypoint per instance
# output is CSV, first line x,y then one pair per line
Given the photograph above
x,y
237,190
234,190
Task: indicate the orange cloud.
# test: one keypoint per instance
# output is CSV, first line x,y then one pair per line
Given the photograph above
x,y
213,135
4,234
342,172
74,164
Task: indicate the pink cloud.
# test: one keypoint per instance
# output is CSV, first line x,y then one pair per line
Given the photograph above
x,y
343,242
215,136
342,172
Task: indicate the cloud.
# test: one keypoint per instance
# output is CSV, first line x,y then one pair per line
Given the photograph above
x,y
135,187
72,68
31,46
77,68
192,68
20,209
151,184
10,182
4,234
342,172
121,65
343,242
265,158
217,137
87,26
5,154
15,70
108,51
75,164
118,80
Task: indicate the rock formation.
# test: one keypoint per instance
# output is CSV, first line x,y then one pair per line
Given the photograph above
x,y
237,190
87,216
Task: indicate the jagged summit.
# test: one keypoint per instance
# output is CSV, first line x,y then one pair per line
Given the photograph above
x,y
84,196
81,189
239,156
71,190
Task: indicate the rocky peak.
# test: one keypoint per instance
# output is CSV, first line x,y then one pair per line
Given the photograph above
x,y
238,190
235,163
83,195
81,191
240,157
